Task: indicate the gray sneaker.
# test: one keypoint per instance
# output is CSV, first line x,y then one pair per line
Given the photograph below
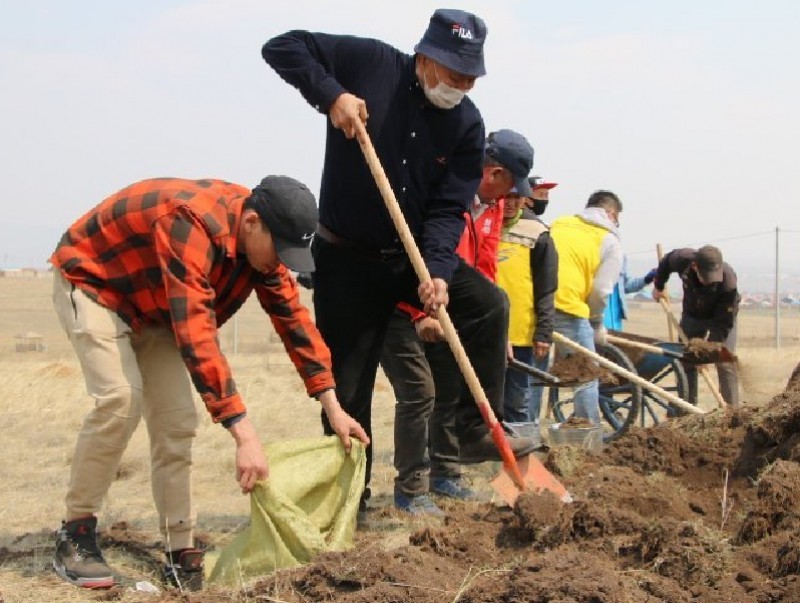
x,y
482,449
78,559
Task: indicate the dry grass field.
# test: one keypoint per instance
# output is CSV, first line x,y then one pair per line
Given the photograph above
x,y
43,402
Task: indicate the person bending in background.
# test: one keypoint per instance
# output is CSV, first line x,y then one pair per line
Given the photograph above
x,y
710,307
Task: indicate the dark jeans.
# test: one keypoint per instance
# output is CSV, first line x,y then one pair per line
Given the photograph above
x,y
424,420
450,388
523,400
726,371
404,362
355,294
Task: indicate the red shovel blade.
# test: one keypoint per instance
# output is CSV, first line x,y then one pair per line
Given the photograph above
x,y
519,475
536,478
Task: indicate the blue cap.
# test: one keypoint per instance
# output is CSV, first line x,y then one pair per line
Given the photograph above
x,y
455,39
512,150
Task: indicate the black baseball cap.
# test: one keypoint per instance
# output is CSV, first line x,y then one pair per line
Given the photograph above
x,y
709,263
455,39
512,150
290,212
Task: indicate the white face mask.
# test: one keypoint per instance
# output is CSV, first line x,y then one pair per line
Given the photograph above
x,y
442,95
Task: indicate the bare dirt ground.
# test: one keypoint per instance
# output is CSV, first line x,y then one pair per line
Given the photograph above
x,y
703,508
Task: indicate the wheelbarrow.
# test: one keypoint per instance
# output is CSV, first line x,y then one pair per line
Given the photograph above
x,y
661,363
619,400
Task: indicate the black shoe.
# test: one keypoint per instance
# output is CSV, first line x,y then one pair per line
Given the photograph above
x,y
78,559
362,519
483,448
184,570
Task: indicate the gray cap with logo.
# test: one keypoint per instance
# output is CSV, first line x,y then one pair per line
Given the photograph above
x,y
709,263
290,212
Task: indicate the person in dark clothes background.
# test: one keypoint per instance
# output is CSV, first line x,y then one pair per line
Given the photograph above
x,y
710,307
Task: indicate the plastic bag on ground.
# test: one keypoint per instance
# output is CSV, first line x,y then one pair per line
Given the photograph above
x,y
308,505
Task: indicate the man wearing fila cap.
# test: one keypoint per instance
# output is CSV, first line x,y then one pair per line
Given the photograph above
x,y
142,283
429,137
710,306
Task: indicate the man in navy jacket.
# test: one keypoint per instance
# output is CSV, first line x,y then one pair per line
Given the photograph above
x,y
430,139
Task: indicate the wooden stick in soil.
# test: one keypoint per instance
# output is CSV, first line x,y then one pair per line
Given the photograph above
x,y
450,334
660,256
632,377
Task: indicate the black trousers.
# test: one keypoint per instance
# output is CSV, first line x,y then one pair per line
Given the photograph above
x,y
355,293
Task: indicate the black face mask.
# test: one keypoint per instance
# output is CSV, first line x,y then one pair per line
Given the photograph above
x,y
539,206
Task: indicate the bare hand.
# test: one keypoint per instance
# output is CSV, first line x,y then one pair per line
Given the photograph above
x,y
346,111
429,329
541,349
509,351
600,334
432,294
342,424
251,464
659,294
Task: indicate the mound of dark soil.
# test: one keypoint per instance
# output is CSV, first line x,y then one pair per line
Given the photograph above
x,y
704,508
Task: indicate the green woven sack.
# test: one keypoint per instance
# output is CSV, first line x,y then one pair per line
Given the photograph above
x,y
308,505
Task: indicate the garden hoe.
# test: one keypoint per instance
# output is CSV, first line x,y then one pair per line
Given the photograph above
x,y
529,473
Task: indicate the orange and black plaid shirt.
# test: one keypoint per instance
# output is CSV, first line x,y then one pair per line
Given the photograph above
x,y
162,252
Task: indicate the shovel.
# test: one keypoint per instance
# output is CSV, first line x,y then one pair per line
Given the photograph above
x,y
536,475
653,349
543,376
721,354
685,340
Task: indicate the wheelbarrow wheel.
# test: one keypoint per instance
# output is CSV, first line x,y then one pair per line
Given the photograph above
x,y
619,402
672,378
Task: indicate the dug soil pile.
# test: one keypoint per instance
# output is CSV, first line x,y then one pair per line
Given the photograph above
x,y
705,508
648,524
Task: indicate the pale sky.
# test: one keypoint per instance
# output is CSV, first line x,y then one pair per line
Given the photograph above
x,y
687,110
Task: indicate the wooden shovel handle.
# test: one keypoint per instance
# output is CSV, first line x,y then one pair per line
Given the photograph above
x,y
643,346
450,334
660,256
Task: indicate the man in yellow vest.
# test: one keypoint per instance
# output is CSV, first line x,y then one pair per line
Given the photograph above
x,y
528,272
589,261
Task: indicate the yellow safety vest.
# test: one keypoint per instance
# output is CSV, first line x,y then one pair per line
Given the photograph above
x,y
515,278
578,244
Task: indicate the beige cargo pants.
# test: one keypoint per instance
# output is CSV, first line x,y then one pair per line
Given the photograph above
x,y
129,375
